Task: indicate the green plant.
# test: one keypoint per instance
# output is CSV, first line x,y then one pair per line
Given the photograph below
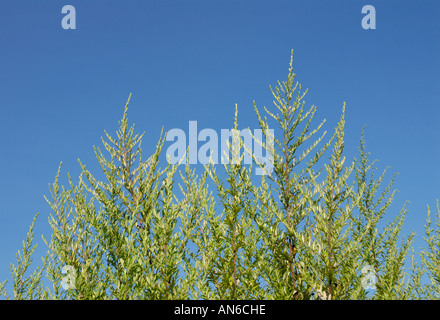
x,y
306,230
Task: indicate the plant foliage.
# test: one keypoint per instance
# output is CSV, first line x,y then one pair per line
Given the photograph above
x,y
313,228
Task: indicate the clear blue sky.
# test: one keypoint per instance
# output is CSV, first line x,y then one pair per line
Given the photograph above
x,y
193,60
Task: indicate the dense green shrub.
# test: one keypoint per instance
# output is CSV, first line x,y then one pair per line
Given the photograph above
x,y
309,230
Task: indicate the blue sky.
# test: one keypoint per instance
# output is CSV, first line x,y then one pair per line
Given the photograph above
x,y
193,60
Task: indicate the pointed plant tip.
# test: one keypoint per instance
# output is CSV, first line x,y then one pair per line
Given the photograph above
x,y
126,105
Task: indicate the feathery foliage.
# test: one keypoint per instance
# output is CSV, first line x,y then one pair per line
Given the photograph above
x,y
312,228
